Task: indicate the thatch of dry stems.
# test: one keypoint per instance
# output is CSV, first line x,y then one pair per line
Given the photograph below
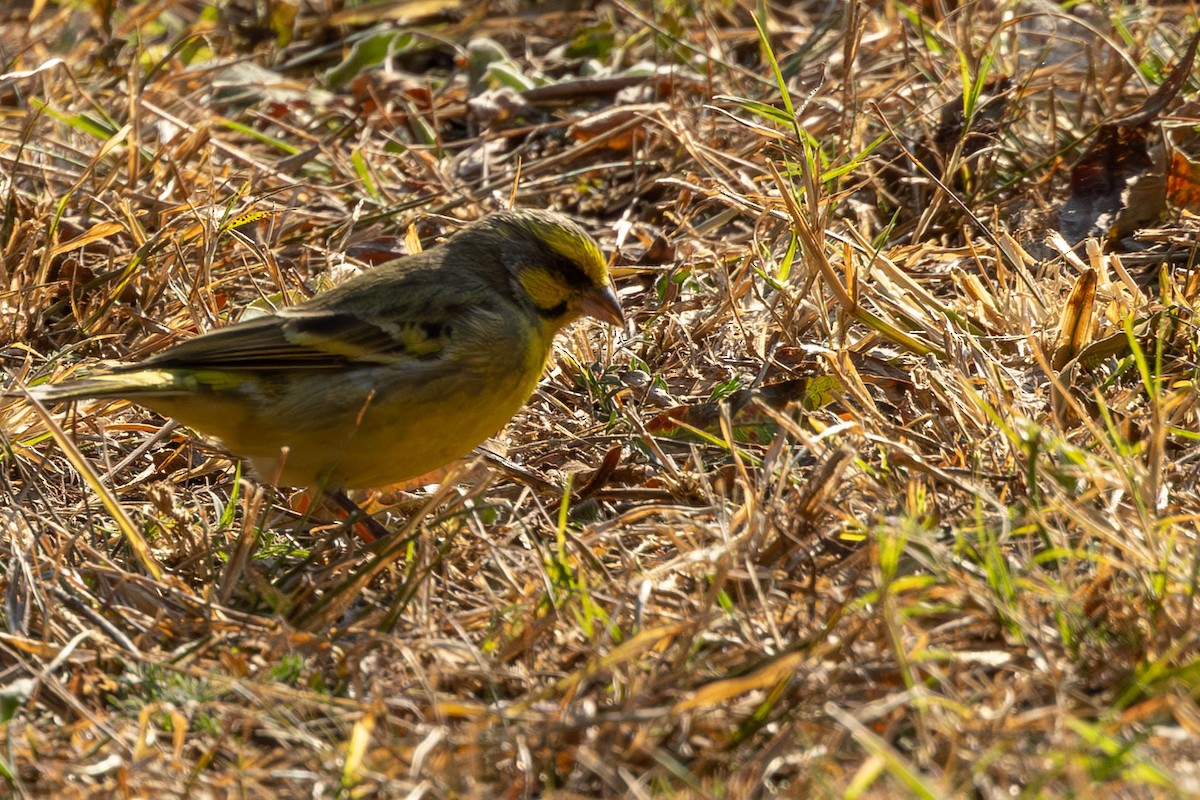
x,y
943,543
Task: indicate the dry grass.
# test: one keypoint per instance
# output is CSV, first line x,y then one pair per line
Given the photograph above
x,y
942,549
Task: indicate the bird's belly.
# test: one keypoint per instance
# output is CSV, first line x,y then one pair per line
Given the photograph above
x,y
366,433
395,441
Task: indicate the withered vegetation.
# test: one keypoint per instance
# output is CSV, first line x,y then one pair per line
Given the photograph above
x,y
888,489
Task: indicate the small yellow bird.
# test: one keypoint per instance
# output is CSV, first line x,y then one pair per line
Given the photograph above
x,y
390,375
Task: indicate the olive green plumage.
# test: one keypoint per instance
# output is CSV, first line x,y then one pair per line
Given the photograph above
x,y
390,375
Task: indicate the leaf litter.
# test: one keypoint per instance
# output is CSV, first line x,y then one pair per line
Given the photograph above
x,y
888,489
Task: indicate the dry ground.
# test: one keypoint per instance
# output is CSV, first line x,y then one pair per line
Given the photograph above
x,y
938,539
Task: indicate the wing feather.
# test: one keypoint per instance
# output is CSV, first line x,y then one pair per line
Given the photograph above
x,y
308,339
404,311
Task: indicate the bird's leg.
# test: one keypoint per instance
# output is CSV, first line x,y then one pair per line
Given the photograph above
x,y
367,527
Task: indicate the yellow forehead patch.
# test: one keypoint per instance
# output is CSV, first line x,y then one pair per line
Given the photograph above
x,y
570,241
580,249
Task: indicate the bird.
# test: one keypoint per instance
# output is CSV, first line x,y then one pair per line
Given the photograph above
x,y
388,376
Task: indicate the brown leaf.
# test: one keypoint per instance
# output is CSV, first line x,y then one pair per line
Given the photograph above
x,y
620,128
378,250
747,416
1117,186
1183,182
97,232
1183,164
1075,326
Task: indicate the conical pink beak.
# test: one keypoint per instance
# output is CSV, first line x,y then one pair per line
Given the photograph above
x,y
603,304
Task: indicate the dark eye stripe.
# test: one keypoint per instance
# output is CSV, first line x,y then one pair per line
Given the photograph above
x,y
575,278
551,313
436,330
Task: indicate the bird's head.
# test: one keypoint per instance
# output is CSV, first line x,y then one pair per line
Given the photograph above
x,y
556,264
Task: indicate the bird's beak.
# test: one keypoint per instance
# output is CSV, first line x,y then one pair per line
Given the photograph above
x,y
603,304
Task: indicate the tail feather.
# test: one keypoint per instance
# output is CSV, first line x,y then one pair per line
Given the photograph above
x,y
138,383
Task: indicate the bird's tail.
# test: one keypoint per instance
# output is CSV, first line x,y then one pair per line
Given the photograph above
x,y
110,386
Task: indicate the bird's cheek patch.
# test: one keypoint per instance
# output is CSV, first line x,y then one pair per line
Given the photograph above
x,y
547,290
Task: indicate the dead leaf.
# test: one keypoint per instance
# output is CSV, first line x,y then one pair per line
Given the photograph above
x,y
1183,164
620,128
750,422
1075,326
1118,186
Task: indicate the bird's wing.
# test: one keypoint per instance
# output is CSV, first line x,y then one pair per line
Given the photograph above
x,y
312,339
